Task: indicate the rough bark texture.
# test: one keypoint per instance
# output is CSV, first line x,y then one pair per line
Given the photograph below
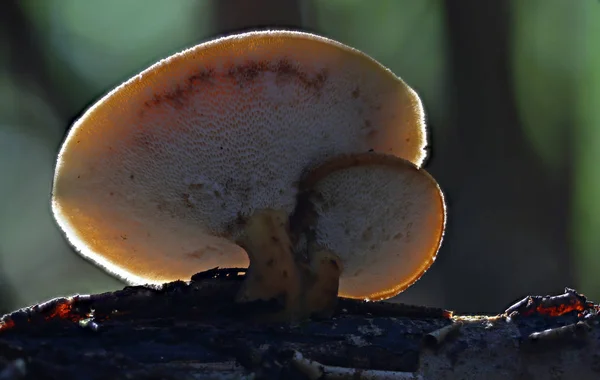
x,y
195,331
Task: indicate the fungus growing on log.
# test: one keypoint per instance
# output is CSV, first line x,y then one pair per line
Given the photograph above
x,y
195,162
381,216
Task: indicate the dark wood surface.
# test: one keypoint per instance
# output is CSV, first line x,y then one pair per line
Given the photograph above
x,y
194,331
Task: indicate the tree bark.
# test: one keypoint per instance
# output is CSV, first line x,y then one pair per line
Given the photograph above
x,y
194,330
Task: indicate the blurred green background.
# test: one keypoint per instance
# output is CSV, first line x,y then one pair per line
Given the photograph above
x,y
511,90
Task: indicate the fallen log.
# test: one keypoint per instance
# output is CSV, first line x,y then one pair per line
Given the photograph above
x,y
194,330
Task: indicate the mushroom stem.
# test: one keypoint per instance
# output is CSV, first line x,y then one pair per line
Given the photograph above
x,y
322,280
273,271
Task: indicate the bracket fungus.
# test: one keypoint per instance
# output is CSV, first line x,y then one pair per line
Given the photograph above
x,y
380,216
195,163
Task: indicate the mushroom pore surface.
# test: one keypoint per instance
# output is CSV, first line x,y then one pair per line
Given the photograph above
x,y
383,217
155,180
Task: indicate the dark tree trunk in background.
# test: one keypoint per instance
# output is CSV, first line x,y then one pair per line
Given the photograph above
x,y
238,15
508,220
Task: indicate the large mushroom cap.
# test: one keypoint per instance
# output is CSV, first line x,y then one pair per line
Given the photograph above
x,y
153,181
382,216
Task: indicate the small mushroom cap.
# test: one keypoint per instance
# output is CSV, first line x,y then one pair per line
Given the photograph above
x,y
156,179
382,216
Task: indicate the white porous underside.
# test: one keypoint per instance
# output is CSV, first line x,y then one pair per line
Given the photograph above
x,y
383,222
